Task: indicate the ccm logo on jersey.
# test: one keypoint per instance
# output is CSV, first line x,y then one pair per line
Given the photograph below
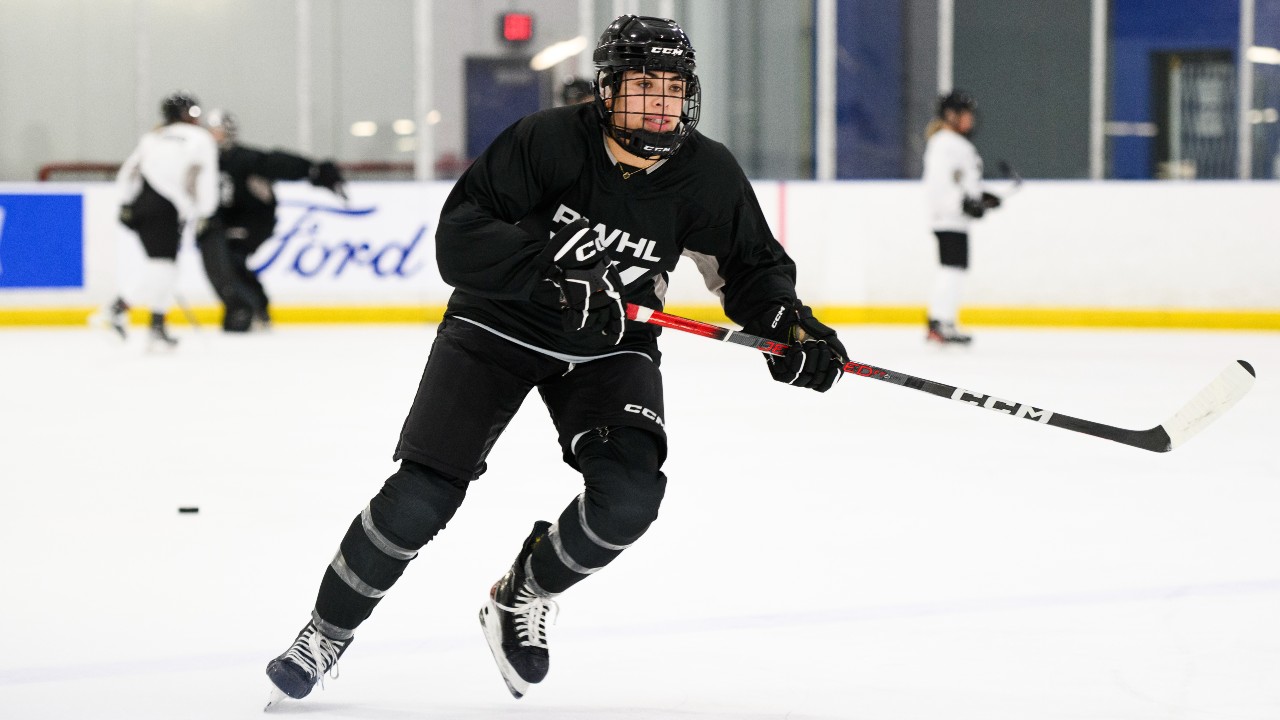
x,y
666,51
646,412
991,402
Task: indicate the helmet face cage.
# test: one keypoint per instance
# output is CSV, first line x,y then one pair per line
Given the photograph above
x,y
645,77
180,107
625,100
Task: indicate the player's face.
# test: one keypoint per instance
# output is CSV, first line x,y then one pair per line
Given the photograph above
x,y
964,122
649,100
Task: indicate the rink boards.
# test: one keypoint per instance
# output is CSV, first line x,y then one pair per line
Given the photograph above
x,y
1172,254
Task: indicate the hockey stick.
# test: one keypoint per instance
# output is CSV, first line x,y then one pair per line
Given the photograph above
x,y
186,312
1007,170
1210,403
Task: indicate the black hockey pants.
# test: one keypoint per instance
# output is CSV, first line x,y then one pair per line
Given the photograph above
x,y
225,252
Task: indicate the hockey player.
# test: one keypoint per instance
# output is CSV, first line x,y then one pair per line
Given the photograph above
x,y
576,90
246,217
166,184
569,214
953,183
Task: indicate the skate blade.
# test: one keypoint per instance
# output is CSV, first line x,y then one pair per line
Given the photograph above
x,y
516,684
274,699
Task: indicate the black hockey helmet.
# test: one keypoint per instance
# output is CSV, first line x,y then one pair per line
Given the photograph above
x,y
180,106
956,101
224,120
636,42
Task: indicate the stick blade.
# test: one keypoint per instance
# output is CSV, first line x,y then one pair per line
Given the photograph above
x,y
1210,403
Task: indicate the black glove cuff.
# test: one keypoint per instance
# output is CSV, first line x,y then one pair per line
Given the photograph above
x,y
776,321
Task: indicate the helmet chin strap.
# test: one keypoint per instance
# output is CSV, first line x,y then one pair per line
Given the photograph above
x,y
644,143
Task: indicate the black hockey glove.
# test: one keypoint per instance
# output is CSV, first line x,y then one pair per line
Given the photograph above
x,y
990,201
327,175
816,356
973,207
590,288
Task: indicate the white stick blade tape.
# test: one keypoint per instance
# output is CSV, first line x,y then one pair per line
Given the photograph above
x,y
1216,398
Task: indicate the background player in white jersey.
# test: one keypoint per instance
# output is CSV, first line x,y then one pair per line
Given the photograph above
x,y
170,181
571,213
953,183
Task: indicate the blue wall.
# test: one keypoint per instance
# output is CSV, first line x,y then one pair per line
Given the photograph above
x,y
1140,28
870,87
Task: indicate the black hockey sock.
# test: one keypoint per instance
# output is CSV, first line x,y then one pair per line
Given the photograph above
x,y
413,505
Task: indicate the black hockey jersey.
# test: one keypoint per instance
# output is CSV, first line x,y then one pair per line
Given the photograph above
x,y
247,198
551,168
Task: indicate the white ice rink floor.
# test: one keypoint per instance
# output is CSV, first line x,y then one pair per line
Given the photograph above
x,y
874,553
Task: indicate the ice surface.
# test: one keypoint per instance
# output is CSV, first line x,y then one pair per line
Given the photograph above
x,y
870,553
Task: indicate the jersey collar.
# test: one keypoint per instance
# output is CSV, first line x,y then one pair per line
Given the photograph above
x,y
647,171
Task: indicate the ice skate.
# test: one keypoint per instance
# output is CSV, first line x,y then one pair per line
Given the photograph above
x,y
159,337
312,655
261,322
515,621
945,333
114,317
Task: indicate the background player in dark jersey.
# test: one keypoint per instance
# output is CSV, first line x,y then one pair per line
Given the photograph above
x,y
576,90
569,214
246,217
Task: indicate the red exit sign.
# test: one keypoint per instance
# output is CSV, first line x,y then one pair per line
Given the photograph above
x,y
516,27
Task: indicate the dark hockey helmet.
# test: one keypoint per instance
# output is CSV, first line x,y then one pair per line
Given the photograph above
x,y
642,43
180,106
956,101
224,120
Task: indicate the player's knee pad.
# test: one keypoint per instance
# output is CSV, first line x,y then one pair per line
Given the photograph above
x,y
414,504
624,485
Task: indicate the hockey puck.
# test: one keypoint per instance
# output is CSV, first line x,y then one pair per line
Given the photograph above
x,y
188,509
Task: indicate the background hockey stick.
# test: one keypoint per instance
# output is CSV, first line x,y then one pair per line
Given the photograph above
x,y
1216,397
1008,171
186,312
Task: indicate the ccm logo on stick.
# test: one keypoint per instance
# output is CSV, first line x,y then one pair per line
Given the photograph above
x,y
991,402
646,412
